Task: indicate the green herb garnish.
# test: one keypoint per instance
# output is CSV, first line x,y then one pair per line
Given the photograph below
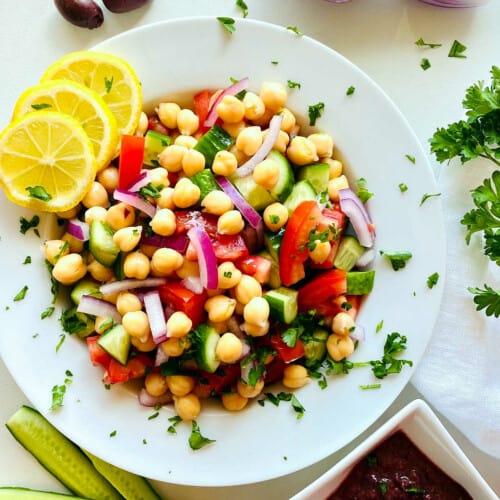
x,y
196,440
108,84
420,43
315,111
41,105
228,24
487,299
425,64
243,6
398,259
403,187
350,90
410,158
457,50
39,193
426,196
26,225
295,30
432,280
21,294
293,85
58,392
47,313
361,190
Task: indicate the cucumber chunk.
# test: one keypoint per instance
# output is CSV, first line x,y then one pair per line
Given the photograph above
x,y
18,493
116,342
315,347
59,455
84,287
205,342
101,244
317,174
350,250
302,191
272,242
360,282
283,304
286,179
205,180
257,196
154,144
213,141
274,276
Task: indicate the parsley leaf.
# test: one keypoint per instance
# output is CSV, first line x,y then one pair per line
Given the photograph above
x,y
293,85
350,90
425,64
41,105
228,23
108,84
361,190
21,294
394,344
175,421
196,440
72,321
39,193
295,30
58,392
284,396
457,50
397,259
432,280
403,187
315,111
426,196
243,6
410,158
25,225
487,299
27,259
421,43
47,313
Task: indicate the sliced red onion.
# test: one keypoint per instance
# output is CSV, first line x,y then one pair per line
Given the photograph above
x,y
142,180
265,148
233,89
178,242
193,283
207,260
129,284
249,213
145,399
353,207
161,356
79,229
134,200
366,259
156,316
98,307
358,333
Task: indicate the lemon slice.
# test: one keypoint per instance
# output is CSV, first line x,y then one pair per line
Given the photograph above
x,y
81,103
108,75
47,161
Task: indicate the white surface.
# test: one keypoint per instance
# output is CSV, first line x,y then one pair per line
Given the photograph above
x,y
376,35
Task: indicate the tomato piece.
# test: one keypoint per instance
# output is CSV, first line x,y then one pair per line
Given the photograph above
x,y
274,370
135,368
329,217
320,289
156,125
211,384
293,250
202,107
175,295
285,352
229,247
355,301
256,266
131,158
98,356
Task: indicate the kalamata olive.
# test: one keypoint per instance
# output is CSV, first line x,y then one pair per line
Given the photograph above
x,y
119,6
83,13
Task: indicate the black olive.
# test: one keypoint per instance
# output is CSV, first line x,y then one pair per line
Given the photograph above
x,y
83,13
119,6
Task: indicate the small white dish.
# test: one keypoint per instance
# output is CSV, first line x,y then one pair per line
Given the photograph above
x,y
425,430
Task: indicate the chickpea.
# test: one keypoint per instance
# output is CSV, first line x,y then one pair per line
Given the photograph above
x,y
233,129
166,261
230,109
220,308
323,143
320,252
225,163
127,238
108,178
219,326
102,323
301,151
266,173
187,141
339,346
171,157
254,106
164,222
229,348
275,216
264,120
217,203
241,157
55,249
288,123
295,376
187,407
95,213
180,385
232,401
335,185
273,95
193,162
167,114
248,391
142,127
342,324
136,265
120,215
147,344
256,330
136,324
97,196
187,269
75,245
230,222
249,140
247,289
281,142
69,268
186,193
155,384
158,177
256,311
100,272
70,213
229,275
187,122
166,199
178,325
335,167
173,346
128,302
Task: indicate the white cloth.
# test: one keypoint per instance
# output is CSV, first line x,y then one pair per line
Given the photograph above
x,y
460,371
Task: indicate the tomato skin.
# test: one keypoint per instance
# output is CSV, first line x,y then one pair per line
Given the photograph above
x,y
224,378
274,370
131,157
135,368
336,217
320,289
98,356
202,107
286,353
156,125
256,266
293,250
179,298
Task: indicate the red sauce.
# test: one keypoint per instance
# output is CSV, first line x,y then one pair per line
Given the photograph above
x,y
397,469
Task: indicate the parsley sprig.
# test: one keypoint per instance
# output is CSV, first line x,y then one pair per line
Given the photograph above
x,y
487,299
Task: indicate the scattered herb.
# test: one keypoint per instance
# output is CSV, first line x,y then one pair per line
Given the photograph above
x,y
295,30
176,420
275,62
41,105
154,415
398,259
379,326
346,306
243,6
426,196
144,441
227,274
420,42
403,187
35,335
432,280
150,191
425,64
361,190
108,84
62,338
394,344
112,434
39,193
410,158
274,219
487,299
26,225
457,50
27,260
370,386
228,23
196,440
315,111
47,313
284,396
21,294
293,85
54,284
58,392
350,90
383,486
72,321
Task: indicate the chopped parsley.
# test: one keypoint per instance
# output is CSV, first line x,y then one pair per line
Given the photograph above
x,y
394,344
62,338
228,24
403,187
27,260
426,196
39,193
228,274
370,386
457,49
284,396
58,392
21,294
175,421
410,158
108,84
275,62
41,105
383,486
72,321
379,326
274,219
293,85
26,225
243,6
487,299
112,434
361,190
421,43
196,440
54,287
350,90
295,30
425,64
315,111
47,313
432,280
154,415
398,259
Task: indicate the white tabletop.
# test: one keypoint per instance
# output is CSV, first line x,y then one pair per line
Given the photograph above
x,y
377,35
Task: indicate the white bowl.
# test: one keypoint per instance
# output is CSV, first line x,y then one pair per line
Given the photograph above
x,y
427,432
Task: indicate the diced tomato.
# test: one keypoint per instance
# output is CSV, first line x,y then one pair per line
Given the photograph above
x,y
211,384
274,370
329,217
98,356
156,125
135,368
131,158
320,289
355,301
293,250
229,247
256,266
202,106
285,352
179,298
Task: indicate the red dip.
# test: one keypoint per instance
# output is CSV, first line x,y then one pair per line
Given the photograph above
x,y
397,469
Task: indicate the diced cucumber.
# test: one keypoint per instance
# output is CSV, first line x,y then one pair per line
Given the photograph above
x,y
18,493
101,244
317,174
360,282
256,195
315,347
116,342
274,276
286,179
350,250
283,304
129,485
205,342
302,191
154,144
205,180
118,266
59,455
213,141
272,242
84,287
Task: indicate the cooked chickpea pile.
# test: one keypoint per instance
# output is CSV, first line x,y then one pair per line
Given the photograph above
x,y
238,295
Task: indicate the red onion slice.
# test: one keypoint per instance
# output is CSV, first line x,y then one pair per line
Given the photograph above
x,y
134,200
249,213
142,180
161,356
193,283
98,307
265,149
366,259
353,207
145,399
129,284
207,260
358,333
78,229
178,242
156,316
233,89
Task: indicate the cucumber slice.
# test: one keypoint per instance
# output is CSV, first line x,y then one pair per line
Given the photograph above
x,y
272,242
84,287
360,282
302,191
118,266
18,493
286,180
59,455
205,342
282,304
129,485
154,144
315,347
257,196
274,277
213,141
350,250
317,174
205,180
101,244
116,342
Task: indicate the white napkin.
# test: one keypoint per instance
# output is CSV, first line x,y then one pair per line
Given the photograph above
x,y
460,371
